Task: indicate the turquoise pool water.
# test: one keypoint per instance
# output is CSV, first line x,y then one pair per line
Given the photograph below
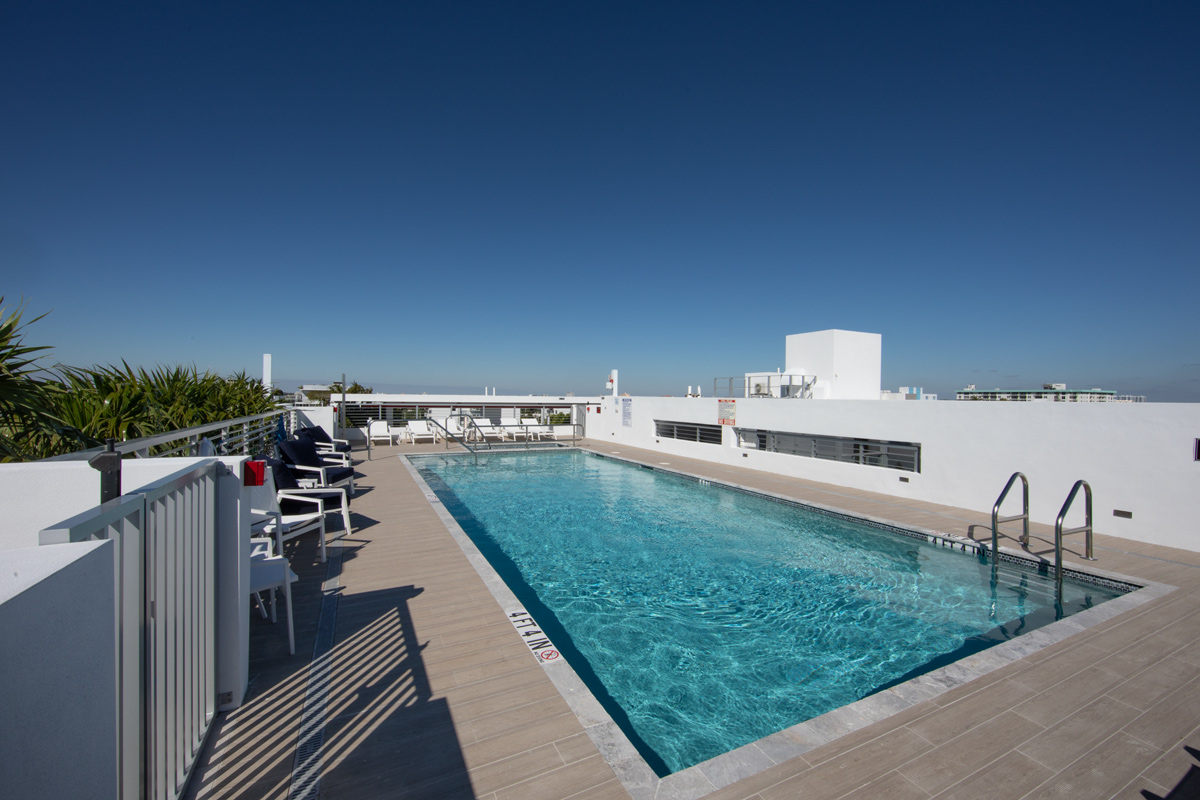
x,y
704,618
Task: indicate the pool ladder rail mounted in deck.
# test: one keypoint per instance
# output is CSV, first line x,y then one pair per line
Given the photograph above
x,y
1059,532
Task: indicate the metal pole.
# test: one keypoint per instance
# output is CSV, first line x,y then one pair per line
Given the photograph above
x,y
108,464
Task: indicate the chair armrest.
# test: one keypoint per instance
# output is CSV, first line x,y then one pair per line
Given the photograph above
x,y
318,470
269,516
297,493
301,495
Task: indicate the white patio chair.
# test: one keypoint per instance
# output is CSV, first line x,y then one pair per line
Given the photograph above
x,y
378,429
269,571
282,508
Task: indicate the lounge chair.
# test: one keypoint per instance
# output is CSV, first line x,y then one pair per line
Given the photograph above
x,y
483,427
536,429
420,429
378,429
325,470
324,440
510,426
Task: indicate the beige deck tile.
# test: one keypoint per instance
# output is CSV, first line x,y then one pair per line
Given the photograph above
x,y
892,786
576,747
956,720
1070,738
518,768
864,736
590,774
1058,662
504,701
969,752
1171,767
497,685
851,770
1150,685
1101,772
1170,720
762,781
1072,693
535,733
515,718
1008,777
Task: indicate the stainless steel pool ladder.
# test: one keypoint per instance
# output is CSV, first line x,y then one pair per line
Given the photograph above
x,y
1024,515
1059,533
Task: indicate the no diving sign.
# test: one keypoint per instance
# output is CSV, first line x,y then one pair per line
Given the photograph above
x,y
537,641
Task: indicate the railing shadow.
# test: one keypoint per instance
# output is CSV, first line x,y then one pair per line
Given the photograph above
x,y
376,729
385,733
1188,787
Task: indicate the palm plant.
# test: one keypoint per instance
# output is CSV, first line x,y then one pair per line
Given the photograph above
x,y
25,397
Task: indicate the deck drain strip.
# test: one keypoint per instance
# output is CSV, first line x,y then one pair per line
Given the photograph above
x,y
306,769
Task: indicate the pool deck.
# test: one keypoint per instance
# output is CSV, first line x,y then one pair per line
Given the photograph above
x,y
433,694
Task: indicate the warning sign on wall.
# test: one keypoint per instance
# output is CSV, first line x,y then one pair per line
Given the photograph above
x,y
726,412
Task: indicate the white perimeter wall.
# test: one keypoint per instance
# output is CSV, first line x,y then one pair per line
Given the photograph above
x,y
1136,457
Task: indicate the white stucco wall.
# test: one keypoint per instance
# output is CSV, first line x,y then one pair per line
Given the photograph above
x,y
1136,457
847,364
58,674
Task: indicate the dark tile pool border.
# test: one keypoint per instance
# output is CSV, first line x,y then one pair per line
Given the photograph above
x,y
720,771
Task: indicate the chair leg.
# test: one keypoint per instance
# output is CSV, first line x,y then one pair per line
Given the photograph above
x,y
287,598
262,606
322,538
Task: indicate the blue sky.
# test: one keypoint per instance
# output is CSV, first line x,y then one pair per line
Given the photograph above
x,y
526,195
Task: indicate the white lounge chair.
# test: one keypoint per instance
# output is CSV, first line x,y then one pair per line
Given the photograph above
x,y
511,426
451,425
420,429
484,427
378,429
536,429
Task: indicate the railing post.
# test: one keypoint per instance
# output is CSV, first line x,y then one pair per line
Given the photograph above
x,y
108,464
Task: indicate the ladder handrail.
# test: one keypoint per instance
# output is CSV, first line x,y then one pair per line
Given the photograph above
x,y
1059,533
997,519
451,435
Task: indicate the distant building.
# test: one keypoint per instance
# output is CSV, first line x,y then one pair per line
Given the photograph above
x,y
312,393
907,393
1050,392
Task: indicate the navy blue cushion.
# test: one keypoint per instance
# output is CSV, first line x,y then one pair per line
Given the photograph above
x,y
318,434
301,451
284,479
336,474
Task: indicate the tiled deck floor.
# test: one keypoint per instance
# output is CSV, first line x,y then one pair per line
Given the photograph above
x,y
433,695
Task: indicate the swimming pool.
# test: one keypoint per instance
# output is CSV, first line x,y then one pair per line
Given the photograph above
x,y
703,618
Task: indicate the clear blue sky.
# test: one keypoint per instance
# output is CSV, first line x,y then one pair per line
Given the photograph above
x,y
525,195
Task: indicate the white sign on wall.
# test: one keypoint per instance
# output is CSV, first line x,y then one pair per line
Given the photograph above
x,y
727,412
